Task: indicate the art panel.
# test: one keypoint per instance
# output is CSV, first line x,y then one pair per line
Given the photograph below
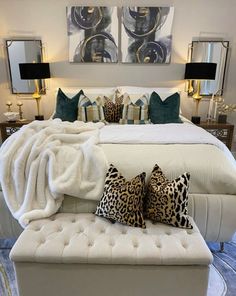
x,y
146,34
93,34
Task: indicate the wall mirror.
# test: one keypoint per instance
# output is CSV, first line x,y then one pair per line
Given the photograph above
x,y
23,51
212,52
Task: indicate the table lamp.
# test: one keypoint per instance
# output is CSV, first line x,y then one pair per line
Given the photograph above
x,y
35,71
198,72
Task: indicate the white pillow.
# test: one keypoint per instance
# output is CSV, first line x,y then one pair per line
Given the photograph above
x,y
149,90
133,98
164,95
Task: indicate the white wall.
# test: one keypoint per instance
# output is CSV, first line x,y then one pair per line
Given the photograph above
x,y
47,19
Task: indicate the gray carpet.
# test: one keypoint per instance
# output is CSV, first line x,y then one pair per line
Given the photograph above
x,y
222,280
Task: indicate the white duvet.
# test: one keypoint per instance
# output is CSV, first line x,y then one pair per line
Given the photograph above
x,y
185,133
176,148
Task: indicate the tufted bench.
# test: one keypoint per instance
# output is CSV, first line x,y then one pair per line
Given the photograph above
x,y
85,255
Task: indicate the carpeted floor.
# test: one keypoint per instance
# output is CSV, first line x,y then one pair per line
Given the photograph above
x,y
225,267
222,281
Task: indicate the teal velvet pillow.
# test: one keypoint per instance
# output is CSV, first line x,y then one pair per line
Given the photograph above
x,y
166,111
66,108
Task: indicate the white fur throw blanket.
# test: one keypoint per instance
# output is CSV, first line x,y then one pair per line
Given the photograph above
x,y
47,159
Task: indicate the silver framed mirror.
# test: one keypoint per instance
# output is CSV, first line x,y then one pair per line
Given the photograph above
x,y
23,51
212,52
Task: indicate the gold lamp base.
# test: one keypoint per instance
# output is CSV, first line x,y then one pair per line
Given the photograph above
x,y
197,97
197,101
37,97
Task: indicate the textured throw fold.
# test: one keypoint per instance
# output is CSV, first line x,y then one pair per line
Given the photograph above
x,y
45,160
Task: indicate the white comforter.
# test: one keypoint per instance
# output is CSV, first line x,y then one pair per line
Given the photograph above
x,y
176,148
44,161
185,133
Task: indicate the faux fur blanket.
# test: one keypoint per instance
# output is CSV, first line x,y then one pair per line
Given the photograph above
x,y
47,159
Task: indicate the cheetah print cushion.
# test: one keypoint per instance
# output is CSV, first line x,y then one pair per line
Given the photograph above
x,y
167,201
122,200
113,110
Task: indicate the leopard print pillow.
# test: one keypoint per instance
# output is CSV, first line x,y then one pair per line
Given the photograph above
x,y
167,201
113,110
122,200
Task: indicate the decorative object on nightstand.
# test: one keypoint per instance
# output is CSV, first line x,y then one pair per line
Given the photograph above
x,y
222,118
10,115
20,104
223,131
223,109
35,71
198,72
9,104
219,107
8,128
215,98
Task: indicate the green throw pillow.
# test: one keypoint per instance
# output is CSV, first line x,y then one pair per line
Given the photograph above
x,y
166,111
66,108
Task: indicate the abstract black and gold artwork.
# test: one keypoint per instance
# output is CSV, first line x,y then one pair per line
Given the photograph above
x,y
146,34
93,34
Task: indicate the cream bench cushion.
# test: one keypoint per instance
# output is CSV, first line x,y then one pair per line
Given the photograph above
x,y
86,238
81,254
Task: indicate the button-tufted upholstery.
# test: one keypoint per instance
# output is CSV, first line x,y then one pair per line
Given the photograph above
x,y
86,238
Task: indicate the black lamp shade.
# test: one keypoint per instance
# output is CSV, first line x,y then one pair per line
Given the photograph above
x,y
200,71
34,71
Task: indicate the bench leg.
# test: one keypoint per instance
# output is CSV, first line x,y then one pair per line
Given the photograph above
x,y
222,247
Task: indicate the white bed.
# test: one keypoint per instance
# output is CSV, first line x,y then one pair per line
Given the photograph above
x,y
176,148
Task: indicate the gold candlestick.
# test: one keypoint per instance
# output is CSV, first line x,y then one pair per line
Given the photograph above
x,y
9,104
20,104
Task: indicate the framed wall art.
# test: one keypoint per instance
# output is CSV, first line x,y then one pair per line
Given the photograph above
x,y
146,34
93,34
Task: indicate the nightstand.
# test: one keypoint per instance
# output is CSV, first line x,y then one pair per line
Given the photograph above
x,y
223,131
10,127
